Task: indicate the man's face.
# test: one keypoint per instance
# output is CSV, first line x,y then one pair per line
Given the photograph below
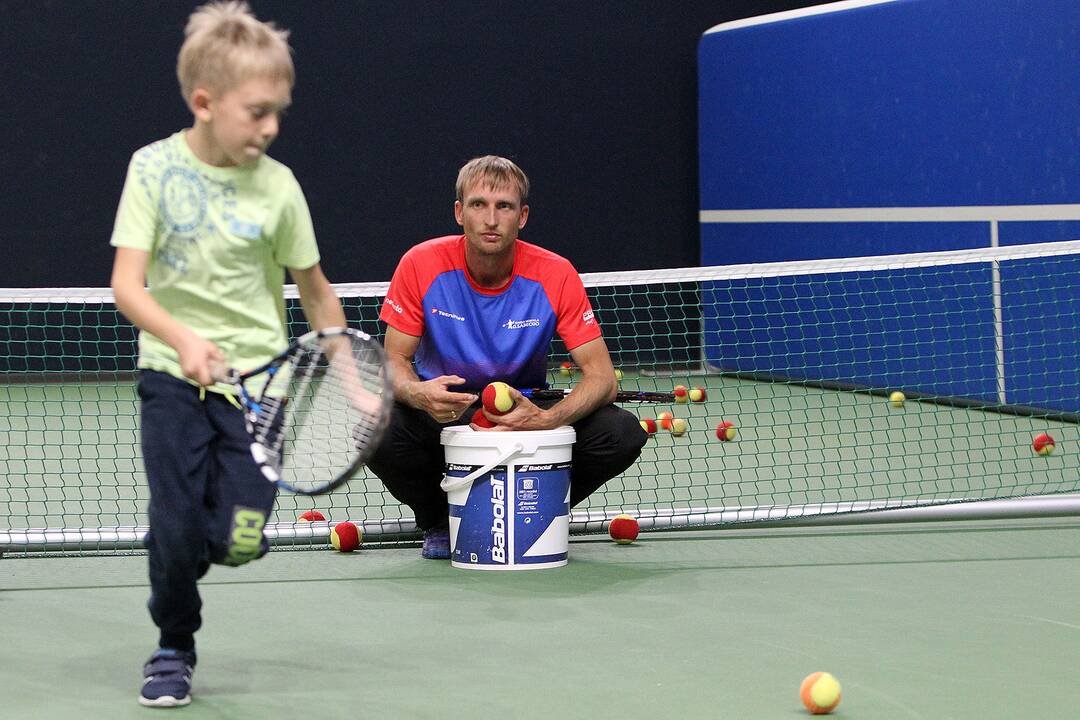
x,y
246,119
491,217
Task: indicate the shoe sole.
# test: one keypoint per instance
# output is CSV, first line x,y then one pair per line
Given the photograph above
x,y
165,701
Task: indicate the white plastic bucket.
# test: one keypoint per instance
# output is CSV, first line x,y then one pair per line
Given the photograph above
x,y
509,495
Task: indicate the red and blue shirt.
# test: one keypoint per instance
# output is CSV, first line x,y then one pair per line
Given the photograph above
x,y
486,334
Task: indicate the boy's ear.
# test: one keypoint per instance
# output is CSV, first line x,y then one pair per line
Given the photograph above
x,y
200,104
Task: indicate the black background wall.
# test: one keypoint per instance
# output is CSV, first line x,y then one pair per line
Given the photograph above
x,y
596,101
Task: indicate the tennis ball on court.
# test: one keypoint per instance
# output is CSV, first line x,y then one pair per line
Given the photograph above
x,y
698,394
682,395
726,431
567,368
820,693
345,537
311,516
623,529
1043,444
481,420
648,425
664,420
679,427
496,398
618,375
896,399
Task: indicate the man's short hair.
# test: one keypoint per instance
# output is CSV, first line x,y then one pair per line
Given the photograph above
x,y
225,45
496,172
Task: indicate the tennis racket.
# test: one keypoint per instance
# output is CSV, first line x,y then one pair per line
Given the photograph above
x,y
317,411
630,396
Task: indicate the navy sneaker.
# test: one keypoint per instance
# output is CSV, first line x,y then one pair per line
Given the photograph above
x,y
436,544
168,678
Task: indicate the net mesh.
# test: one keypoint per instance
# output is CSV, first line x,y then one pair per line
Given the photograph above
x,y
800,357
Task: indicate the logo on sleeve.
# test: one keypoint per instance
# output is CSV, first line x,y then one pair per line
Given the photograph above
x,y
393,305
587,317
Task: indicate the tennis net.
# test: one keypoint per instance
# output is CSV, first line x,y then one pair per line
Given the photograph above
x,y
801,357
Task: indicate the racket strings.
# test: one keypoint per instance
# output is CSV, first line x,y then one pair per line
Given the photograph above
x,y
335,412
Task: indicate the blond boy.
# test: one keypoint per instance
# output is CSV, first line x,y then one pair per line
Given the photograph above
x,y
206,227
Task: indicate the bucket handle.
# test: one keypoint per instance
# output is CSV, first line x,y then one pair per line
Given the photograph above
x,y
456,483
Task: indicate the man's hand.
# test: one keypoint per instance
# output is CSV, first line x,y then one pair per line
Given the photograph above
x,y
437,399
524,415
199,358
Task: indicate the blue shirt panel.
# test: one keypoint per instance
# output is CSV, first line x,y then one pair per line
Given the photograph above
x,y
484,338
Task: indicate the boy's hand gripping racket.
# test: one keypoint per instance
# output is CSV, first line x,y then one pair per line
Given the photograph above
x,y
315,412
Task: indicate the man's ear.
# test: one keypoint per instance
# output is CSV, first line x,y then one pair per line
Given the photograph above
x,y
524,216
458,207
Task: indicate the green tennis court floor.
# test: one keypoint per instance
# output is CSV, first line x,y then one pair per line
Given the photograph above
x,y
931,620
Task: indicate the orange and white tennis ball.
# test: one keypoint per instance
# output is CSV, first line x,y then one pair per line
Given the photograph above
x,y
896,399
682,395
664,420
726,431
311,516
567,368
345,537
820,693
697,394
481,420
679,427
623,529
496,398
1043,444
648,425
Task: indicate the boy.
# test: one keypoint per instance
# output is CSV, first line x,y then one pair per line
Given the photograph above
x,y
209,223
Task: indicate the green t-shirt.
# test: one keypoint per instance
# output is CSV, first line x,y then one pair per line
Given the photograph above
x,y
219,240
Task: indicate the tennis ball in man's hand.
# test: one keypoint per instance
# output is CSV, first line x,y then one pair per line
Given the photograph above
x,y
726,431
481,420
896,399
618,374
664,420
1043,444
679,427
311,516
496,398
682,395
623,529
648,425
698,394
820,693
345,537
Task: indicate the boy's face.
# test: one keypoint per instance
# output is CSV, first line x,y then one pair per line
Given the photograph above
x,y
490,217
244,120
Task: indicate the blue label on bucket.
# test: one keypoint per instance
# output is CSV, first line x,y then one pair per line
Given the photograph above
x,y
501,525
540,497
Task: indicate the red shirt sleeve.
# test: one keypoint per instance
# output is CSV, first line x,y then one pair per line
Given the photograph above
x,y
403,307
575,323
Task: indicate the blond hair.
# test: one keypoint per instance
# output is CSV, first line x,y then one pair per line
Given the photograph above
x,y
226,45
496,172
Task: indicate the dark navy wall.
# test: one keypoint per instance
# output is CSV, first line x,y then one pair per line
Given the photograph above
x,y
596,100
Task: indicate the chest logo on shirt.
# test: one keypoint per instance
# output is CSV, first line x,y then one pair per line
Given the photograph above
x,y
183,200
443,313
519,324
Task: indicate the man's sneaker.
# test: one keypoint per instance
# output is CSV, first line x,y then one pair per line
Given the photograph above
x,y
436,544
168,678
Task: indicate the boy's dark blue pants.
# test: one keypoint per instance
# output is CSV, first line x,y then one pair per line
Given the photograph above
x,y
208,499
